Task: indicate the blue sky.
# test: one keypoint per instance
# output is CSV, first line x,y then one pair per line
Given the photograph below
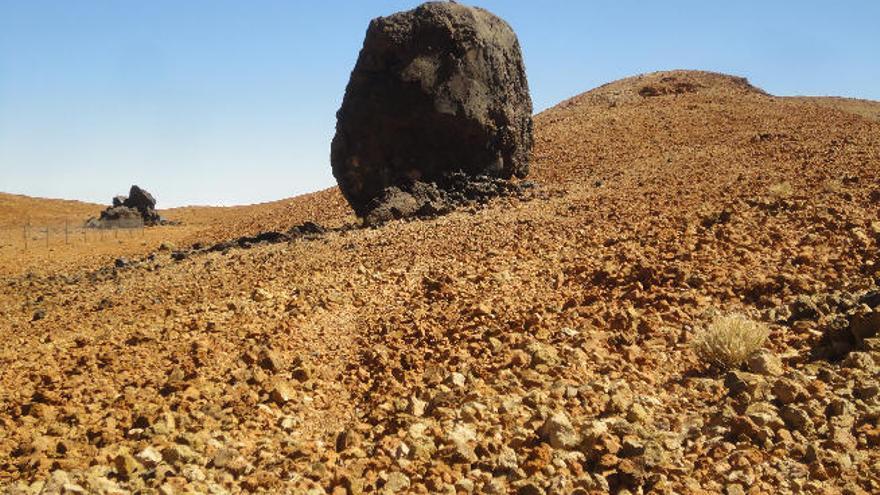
x,y
231,102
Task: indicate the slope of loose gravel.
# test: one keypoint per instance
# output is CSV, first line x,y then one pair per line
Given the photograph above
x,y
81,250
537,345
16,210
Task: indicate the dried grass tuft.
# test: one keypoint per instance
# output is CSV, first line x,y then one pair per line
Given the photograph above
x,y
730,340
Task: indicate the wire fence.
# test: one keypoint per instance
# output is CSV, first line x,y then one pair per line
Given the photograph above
x,y
30,236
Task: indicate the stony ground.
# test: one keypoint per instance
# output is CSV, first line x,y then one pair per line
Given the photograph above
x,y
539,344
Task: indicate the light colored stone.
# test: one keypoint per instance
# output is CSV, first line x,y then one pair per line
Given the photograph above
x,y
396,483
281,393
637,414
734,489
261,295
461,438
402,451
788,391
558,431
417,406
764,362
859,360
149,457
456,379
193,473
543,354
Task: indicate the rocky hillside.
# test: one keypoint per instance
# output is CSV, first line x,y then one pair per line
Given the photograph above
x,y
538,344
865,108
16,210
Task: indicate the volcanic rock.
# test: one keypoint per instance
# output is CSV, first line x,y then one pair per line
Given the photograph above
x,y
140,199
144,203
438,89
119,215
127,211
428,199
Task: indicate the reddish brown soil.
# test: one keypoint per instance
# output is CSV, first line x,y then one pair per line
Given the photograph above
x,y
433,356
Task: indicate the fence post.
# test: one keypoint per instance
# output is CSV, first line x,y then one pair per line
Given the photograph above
x,y
47,236
66,233
24,231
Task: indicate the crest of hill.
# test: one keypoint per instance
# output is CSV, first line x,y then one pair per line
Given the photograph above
x,y
635,89
726,88
16,210
865,108
672,123
326,207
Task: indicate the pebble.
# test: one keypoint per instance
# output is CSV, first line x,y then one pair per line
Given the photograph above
x,y
396,483
149,457
559,432
764,362
281,393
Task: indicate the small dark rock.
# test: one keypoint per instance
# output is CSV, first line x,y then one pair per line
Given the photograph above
x,y
307,229
804,308
268,237
871,298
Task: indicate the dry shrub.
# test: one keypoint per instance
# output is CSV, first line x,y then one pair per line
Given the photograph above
x,y
781,190
833,186
729,340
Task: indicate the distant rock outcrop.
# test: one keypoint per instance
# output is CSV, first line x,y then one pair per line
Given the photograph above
x,y
139,207
437,90
144,203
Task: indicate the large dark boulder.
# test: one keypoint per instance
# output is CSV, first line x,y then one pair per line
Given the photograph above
x,y
140,199
143,201
138,208
436,90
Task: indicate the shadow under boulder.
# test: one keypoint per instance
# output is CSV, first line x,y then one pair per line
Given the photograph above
x,y
428,199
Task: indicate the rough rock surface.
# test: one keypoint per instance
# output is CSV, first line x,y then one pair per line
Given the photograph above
x,y
438,89
139,206
428,199
143,202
